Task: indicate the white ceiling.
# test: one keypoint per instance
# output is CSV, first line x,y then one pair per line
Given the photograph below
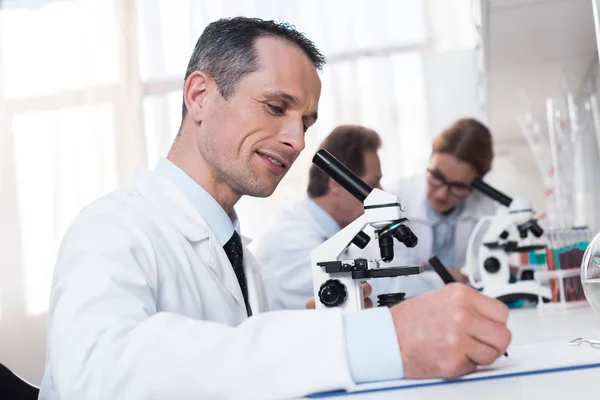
x,y
534,49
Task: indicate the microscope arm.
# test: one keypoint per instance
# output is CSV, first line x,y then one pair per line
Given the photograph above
x,y
337,244
471,264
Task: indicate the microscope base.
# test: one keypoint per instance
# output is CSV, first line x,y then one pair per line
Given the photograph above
x,y
522,290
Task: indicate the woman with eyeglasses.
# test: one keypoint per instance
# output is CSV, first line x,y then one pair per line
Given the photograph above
x,y
440,204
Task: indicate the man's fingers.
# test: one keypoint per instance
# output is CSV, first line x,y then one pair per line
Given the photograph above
x,y
310,304
490,308
367,289
456,366
490,333
368,303
481,353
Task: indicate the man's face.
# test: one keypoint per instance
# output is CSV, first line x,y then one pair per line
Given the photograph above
x,y
251,140
448,181
350,207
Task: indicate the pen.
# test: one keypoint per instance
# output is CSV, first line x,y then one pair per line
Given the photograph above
x,y
441,270
438,267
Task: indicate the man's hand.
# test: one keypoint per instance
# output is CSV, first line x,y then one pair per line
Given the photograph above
x,y
449,332
367,289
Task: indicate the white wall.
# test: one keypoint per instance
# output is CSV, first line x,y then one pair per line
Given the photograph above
x,y
451,87
516,174
536,49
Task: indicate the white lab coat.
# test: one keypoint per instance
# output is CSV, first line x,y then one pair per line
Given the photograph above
x,y
145,304
412,193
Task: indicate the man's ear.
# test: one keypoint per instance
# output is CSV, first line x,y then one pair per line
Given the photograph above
x,y
333,187
195,93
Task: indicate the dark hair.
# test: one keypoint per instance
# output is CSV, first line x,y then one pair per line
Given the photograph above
x,y
226,52
347,143
469,141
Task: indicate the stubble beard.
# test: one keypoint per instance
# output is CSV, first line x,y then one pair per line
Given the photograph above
x,y
238,174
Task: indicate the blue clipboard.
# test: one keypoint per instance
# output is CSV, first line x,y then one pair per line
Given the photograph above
x,y
453,381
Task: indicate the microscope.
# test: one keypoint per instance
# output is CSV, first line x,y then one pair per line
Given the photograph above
x,y
337,282
513,229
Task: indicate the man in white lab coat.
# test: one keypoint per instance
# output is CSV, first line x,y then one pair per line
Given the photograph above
x,y
156,296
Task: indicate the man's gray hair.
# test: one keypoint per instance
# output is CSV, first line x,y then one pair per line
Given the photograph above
x,y
226,52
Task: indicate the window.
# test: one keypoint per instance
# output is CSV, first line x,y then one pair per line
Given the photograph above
x,y
60,76
91,90
64,160
65,45
162,117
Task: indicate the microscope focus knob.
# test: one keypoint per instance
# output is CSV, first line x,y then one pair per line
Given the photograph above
x,y
332,293
491,265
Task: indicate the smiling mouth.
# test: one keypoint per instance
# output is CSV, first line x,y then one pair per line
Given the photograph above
x,y
274,163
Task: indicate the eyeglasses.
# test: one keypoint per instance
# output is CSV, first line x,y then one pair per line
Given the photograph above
x,y
457,189
594,343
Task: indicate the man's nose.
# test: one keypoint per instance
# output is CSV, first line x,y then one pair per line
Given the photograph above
x,y
293,136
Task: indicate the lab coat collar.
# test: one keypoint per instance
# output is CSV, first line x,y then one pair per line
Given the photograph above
x,y
221,224
176,207
173,204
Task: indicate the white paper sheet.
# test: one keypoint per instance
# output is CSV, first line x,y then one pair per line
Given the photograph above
x,y
536,358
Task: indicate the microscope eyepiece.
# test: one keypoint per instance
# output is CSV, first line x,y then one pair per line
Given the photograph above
x,y
491,192
342,175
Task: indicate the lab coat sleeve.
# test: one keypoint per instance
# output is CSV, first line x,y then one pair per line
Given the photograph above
x,y
373,359
107,340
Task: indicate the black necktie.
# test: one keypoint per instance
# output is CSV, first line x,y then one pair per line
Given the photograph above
x,y
235,252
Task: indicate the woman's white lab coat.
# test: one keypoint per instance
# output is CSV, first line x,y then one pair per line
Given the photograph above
x,y
145,304
412,193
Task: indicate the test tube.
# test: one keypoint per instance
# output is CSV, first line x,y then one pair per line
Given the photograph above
x,y
583,243
551,262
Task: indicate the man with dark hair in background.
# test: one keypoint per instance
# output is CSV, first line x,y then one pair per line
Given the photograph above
x,y
155,294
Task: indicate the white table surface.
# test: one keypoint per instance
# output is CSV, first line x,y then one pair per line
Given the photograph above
x,y
527,326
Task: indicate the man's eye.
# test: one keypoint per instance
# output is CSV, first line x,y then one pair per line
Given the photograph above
x,y
276,110
305,128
